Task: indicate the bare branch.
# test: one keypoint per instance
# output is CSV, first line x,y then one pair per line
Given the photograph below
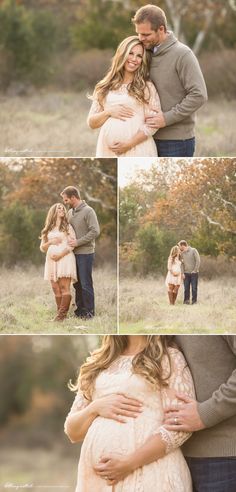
x,y
218,224
92,199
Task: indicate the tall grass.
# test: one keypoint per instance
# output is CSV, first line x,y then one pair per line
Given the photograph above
x,y
54,123
144,307
27,304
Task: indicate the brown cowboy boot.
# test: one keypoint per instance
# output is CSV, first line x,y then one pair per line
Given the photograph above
x,y
64,307
175,294
58,302
170,294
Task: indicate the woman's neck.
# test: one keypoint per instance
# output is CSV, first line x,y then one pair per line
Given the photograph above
x,y
135,345
128,78
58,223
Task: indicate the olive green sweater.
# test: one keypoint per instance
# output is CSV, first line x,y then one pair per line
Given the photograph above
x,y
176,73
212,362
85,224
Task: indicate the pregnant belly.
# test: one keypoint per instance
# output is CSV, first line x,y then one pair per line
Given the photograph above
x,y
55,249
115,130
108,436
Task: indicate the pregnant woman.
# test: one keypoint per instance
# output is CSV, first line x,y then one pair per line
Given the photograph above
x,y
174,275
121,102
123,389
60,265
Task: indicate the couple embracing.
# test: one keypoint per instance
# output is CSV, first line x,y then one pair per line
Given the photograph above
x,y
68,239
153,88
183,265
140,398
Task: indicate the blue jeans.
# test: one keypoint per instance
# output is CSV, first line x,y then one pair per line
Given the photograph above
x,y
175,148
191,279
213,474
84,293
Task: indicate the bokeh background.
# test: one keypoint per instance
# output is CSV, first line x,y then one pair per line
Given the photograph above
x,y
160,204
53,52
35,399
28,187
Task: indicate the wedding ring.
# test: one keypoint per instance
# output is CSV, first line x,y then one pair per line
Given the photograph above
x,y
106,478
175,420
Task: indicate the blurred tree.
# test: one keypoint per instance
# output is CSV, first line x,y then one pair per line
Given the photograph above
x,y
21,34
31,186
101,24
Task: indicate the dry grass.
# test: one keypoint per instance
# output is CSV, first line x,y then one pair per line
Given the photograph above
x,y
39,469
144,308
27,304
54,123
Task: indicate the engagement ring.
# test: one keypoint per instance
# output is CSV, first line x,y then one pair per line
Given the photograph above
x,y
175,420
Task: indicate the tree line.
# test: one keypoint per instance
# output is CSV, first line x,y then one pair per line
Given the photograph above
x,y
28,187
35,32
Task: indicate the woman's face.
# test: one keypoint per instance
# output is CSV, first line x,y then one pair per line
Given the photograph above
x,y
135,58
60,210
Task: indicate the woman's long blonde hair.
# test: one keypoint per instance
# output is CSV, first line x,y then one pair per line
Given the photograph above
x,y
51,220
115,75
147,363
174,252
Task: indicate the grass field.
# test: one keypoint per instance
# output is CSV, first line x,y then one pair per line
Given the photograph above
x,y
144,308
54,124
38,469
27,305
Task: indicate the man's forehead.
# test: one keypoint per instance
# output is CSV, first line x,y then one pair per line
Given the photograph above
x,y
144,28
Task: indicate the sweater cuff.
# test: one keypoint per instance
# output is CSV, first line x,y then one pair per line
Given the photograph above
x,y
171,118
208,413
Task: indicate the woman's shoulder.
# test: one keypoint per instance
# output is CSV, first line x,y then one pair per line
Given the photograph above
x,y
176,359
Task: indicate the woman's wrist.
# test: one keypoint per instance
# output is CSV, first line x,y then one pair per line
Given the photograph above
x,y
132,462
93,408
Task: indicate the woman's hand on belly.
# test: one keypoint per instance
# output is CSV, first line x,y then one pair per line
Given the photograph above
x,y
117,406
120,111
121,147
114,467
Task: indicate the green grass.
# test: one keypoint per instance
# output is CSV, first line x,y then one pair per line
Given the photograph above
x,y
27,304
144,308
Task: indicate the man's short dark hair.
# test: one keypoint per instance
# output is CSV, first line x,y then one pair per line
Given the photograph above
x,y
153,14
183,243
70,191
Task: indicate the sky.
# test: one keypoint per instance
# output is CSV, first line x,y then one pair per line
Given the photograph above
x,y
127,168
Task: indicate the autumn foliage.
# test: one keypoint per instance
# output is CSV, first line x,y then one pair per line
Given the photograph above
x,y
191,199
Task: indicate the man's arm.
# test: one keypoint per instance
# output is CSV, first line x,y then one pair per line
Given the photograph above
x,y
191,78
196,93
192,416
197,261
93,229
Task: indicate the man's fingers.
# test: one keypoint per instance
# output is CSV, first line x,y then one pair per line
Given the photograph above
x,y
180,427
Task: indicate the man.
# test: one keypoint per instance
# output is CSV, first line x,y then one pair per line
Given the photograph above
x,y
177,76
190,266
211,451
85,223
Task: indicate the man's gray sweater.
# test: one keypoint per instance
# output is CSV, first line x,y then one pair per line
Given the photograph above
x,y
212,362
85,224
177,76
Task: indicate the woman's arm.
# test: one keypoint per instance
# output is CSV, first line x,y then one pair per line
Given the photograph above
x,y
116,406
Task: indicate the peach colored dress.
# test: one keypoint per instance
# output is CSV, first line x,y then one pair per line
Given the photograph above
x,y
168,474
66,266
116,130
174,267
